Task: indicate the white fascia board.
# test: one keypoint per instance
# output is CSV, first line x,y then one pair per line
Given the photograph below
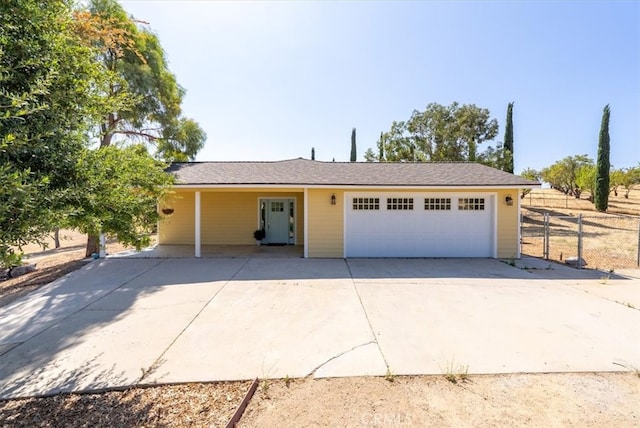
x,y
346,187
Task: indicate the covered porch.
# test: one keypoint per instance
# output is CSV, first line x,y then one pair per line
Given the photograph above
x,y
215,222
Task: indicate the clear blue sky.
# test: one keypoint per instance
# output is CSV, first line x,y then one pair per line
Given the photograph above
x,y
268,81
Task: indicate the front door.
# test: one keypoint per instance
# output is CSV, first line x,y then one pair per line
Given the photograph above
x,y
277,221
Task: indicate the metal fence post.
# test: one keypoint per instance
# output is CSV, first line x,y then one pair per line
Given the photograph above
x,y
545,247
580,241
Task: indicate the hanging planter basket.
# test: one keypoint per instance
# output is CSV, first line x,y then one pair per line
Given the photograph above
x,y
167,211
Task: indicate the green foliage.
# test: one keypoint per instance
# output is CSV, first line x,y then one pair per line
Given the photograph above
x,y
354,154
45,99
498,158
141,98
529,174
389,376
508,138
440,133
629,178
455,372
563,174
120,192
370,156
616,178
586,180
9,258
601,198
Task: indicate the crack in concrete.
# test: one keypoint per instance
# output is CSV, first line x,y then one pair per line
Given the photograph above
x,y
375,338
313,372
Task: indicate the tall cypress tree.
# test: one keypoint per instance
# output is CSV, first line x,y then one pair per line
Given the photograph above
x,y
353,145
508,138
603,165
313,153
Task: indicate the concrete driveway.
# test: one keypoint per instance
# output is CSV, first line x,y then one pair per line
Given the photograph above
x,y
120,322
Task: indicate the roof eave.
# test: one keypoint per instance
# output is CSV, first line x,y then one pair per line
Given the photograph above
x,y
353,186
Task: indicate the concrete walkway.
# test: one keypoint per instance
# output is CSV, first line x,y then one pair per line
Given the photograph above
x,y
121,322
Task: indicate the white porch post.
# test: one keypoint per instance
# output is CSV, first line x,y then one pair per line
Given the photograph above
x,y
306,223
103,246
197,237
519,247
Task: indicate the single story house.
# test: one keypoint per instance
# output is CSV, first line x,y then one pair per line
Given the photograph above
x,y
348,209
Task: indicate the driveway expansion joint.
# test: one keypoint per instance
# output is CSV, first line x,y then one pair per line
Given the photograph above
x,y
87,306
158,362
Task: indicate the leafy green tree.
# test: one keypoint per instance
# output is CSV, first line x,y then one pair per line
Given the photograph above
x,y
586,180
397,145
616,178
141,97
354,154
603,164
474,127
370,156
529,174
563,174
439,133
508,138
45,101
498,157
121,189
629,178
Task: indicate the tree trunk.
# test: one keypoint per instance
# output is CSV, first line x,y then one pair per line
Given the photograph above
x,y
93,245
56,238
107,130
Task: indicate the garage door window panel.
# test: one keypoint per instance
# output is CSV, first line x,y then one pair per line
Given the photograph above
x,y
366,204
437,204
471,204
400,204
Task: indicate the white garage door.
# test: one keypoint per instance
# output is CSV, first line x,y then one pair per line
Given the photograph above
x,y
419,225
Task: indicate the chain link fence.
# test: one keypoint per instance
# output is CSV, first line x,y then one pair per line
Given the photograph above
x,y
596,241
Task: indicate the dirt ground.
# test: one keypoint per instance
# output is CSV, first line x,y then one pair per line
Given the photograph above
x,y
164,406
610,240
550,198
584,400
554,400
527,400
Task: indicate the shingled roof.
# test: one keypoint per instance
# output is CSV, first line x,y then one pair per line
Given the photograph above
x,y
301,172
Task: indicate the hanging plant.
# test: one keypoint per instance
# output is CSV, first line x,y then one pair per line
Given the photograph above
x,y
259,234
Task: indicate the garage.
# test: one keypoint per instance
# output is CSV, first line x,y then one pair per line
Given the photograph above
x,y
420,224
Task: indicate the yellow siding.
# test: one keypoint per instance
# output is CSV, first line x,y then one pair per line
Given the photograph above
x,y
325,223
226,217
229,217
508,225
179,227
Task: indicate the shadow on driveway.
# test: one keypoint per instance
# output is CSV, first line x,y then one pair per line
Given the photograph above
x,y
115,322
